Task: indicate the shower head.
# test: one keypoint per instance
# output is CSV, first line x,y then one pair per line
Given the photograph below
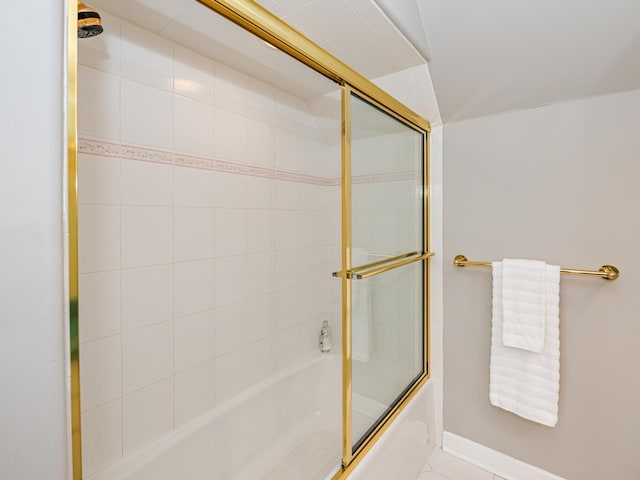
x,y
89,21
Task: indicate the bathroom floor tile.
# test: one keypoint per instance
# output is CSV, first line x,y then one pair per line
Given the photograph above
x,y
426,467
431,476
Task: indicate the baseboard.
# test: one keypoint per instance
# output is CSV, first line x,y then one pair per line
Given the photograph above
x,y
492,460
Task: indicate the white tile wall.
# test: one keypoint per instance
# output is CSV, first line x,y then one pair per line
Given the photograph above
x,y
231,327
261,317
230,284
193,75
146,183
192,187
147,415
193,233
146,58
194,340
196,282
101,180
261,231
231,136
261,274
261,150
287,150
147,356
262,359
99,115
230,232
195,392
147,296
287,347
102,437
146,115
193,287
230,190
231,89
288,269
147,236
102,372
232,374
287,195
194,136
100,306
261,101
261,192
288,308
98,237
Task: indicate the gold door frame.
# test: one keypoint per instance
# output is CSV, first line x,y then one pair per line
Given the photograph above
x,y
72,211
347,367
270,28
351,458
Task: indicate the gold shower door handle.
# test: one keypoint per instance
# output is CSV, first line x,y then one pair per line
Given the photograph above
x,y
375,268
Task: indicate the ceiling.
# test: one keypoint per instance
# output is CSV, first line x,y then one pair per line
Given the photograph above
x,y
486,57
494,56
194,26
355,31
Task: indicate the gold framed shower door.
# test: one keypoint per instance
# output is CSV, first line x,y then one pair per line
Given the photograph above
x,y
352,456
257,20
72,222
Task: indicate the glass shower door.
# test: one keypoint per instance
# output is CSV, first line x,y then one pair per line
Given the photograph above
x,y
385,280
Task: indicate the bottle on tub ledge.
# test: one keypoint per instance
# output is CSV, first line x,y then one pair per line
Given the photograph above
x,y
325,337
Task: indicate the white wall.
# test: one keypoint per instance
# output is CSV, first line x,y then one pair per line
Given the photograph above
x,y
557,183
33,425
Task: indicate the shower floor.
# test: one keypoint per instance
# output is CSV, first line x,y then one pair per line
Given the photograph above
x,y
313,459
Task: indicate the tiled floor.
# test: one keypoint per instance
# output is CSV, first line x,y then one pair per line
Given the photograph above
x,y
442,466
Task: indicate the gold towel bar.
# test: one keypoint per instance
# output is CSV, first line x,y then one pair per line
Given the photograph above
x,y
397,261
608,272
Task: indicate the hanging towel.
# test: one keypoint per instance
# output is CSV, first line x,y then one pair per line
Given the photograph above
x,y
521,381
523,304
361,330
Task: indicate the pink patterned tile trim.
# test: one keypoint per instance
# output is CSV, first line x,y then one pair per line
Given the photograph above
x,y
108,149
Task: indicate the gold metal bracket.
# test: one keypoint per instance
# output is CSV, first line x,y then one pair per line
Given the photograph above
x,y
609,272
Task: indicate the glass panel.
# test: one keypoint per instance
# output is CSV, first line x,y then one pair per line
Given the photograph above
x,y
387,192
209,220
387,162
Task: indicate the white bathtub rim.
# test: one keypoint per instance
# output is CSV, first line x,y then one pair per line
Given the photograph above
x,y
391,433
146,454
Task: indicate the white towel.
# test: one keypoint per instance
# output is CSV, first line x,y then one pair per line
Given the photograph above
x,y
523,304
520,381
361,331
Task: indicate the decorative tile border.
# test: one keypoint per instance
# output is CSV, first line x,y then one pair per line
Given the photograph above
x,y
108,149
129,152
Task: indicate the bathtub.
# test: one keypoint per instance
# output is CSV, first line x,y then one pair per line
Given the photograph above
x,y
263,434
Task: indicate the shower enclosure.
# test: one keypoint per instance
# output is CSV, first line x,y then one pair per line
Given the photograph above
x,y
223,174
